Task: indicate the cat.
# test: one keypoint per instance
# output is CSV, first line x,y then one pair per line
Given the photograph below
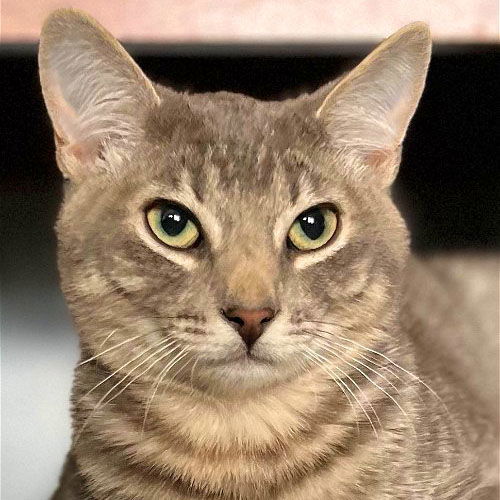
x,y
240,278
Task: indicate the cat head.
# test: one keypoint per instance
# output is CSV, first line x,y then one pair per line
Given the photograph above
x,y
220,238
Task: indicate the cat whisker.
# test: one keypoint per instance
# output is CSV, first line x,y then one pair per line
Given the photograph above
x,y
331,323
143,372
159,380
338,383
374,363
95,356
102,402
191,378
375,384
123,366
407,372
107,338
392,373
317,360
332,344
176,373
396,365
369,358
354,383
371,351
420,381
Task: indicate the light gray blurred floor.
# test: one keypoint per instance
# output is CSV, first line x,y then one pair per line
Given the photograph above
x,y
39,352
39,347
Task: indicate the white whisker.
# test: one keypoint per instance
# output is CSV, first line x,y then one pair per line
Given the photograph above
x,y
192,372
331,344
339,383
412,375
331,374
123,366
353,383
367,377
100,402
108,337
404,370
144,371
159,379
110,349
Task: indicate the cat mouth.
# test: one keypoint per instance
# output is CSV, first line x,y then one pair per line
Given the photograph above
x,y
251,357
247,358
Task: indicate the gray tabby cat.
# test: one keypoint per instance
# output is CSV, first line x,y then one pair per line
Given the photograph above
x,y
238,276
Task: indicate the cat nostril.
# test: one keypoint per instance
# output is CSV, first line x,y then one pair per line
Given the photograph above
x,y
249,323
235,319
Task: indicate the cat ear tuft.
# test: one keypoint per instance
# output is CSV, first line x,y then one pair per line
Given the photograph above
x,y
368,111
93,90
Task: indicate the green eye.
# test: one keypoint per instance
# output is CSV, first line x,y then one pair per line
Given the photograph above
x,y
173,225
313,228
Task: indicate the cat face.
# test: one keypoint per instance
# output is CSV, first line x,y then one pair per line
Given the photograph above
x,y
216,239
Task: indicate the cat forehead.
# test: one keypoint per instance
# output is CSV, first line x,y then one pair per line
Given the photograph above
x,y
228,172
225,117
233,143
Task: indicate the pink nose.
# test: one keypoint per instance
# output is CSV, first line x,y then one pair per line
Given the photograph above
x,y
249,323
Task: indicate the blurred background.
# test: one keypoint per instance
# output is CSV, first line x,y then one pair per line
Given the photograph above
x,y
448,186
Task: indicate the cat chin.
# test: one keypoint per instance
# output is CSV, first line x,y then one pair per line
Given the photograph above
x,y
242,374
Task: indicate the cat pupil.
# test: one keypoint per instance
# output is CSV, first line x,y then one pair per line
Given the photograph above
x,y
173,221
313,224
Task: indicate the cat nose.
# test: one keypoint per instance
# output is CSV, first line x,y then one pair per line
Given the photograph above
x,y
249,323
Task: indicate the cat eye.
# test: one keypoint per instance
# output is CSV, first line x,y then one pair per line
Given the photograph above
x,y
173,225
313,228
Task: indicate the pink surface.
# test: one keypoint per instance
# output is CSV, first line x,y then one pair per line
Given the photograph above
x,y
262,20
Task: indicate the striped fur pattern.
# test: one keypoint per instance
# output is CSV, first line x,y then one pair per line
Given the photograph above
x,y
337,400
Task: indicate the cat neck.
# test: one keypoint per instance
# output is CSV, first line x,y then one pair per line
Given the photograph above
x,y
247,444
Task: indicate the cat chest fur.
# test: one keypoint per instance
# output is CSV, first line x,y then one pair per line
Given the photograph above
x,y
280,445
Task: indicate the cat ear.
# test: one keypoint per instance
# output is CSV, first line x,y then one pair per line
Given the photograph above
x,y
93,90
368,111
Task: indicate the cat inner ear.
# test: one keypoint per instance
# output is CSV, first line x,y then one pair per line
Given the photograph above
x,y
95,93
368,111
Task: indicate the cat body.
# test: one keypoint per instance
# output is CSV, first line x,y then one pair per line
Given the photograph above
x,y
181,392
